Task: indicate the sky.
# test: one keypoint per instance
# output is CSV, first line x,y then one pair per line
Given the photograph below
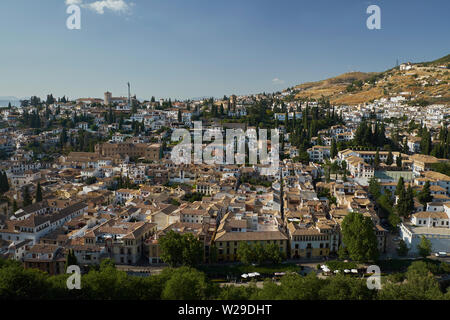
x,y
194,48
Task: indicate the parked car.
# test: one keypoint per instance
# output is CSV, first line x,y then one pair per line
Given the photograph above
x,y
441,254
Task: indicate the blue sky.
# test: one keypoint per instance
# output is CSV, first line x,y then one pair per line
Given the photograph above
x,y
192,48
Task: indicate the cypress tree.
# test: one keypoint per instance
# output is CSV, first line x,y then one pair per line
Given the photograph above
x,y
333,150
374,188
425,194
403,205
398,161
400,189
390,158
38,192
6,181
71,259
410,199
377,159
2,183
26,197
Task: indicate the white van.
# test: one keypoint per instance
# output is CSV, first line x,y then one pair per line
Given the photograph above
x,y
441,254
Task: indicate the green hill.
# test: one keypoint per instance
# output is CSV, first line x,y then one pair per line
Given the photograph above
x,y
426,81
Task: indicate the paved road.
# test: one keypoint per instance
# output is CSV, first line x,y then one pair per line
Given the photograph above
x,y
149,270
391,246
308,265
259,284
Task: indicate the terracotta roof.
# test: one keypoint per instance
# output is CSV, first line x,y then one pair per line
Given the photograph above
x,y
251,236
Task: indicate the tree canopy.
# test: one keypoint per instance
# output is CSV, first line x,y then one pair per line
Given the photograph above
x,y
359,237
180,249
105,282
257,253
424,247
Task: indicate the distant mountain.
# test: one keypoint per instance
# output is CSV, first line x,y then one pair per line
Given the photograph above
x,y
200,98
5,101
7,98
429,81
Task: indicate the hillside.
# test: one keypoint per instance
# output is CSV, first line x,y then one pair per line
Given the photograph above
x,y
429,81
442,61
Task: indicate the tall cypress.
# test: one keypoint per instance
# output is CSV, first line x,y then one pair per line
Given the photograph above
x,y
400,189
38,192
4,185
333,151
425,194
6,181
398,161
390,158
410,199
26,197
15,206
71,259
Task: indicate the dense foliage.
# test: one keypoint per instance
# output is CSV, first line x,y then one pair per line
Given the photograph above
x,y
108,283
181,249
359,237
257,253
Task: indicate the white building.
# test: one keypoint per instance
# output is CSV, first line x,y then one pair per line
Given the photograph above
x,y
433,225
405,66
319,153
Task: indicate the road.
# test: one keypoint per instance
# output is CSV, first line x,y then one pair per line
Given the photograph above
x,y
141,270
